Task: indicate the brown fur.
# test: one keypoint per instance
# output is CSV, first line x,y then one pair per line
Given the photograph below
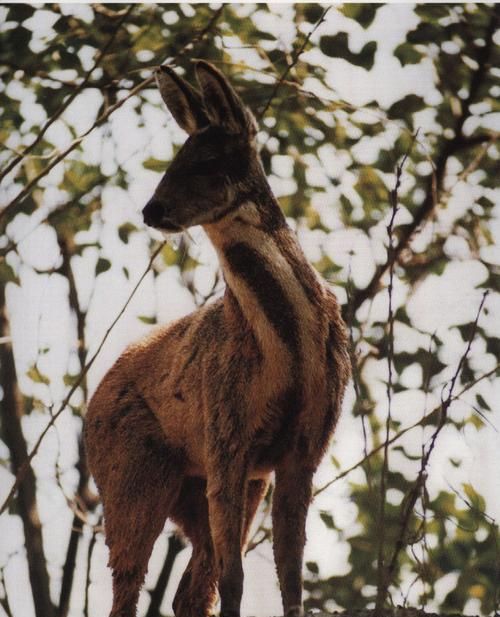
x,y
190,423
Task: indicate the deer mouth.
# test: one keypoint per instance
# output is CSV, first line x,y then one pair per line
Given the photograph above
x,y
168,226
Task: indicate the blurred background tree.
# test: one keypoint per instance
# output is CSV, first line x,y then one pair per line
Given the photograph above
x,y
379,128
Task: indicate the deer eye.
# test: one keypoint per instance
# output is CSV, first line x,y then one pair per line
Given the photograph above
x,y
207,167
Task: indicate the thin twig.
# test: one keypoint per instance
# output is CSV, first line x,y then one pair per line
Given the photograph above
x,y
253,542
424,421
381,568
356,383
90,550
4,602
409,503
266,534
488,519
294,61
22,471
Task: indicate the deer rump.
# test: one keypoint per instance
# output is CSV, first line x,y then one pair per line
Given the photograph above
x,y
190,423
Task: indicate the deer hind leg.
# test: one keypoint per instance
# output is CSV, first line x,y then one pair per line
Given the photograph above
x,y
291,499
139,477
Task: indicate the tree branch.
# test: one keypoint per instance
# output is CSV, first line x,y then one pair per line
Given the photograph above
x,y
50,121
294,61
435,182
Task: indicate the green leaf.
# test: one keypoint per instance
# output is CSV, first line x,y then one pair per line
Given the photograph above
x,y
71,380
473,496
312,566
256,36
327,518
125,230
428,361
171,256
103,265
189,263
476,421
432,12
407,54
16,40
80,178
7,274
371,189
62,24
493,345
347,207
467,330
406,106
35,375
326,267
155,165
312,12
426,33
337,46
20,12
482,403
364,14
148,320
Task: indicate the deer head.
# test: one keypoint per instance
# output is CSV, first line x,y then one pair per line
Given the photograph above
x,y
218,167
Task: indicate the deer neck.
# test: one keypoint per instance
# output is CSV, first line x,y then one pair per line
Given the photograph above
x,y
278,293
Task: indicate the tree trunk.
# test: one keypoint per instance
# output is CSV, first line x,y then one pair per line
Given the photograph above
x,y
11,413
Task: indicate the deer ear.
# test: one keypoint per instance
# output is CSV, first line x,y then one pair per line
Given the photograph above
x,y
223,106
182,100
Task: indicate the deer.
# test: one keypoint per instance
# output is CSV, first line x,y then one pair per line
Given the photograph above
x,y
190,423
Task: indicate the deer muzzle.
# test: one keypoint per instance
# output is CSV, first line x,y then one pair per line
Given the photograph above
x,y
152,213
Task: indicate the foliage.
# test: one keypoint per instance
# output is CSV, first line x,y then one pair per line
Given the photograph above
x,y
332,160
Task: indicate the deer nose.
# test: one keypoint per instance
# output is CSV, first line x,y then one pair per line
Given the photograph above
x,y
152,212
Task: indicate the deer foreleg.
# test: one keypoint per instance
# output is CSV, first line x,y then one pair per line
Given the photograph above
x,y
196,592
227,504
291,499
